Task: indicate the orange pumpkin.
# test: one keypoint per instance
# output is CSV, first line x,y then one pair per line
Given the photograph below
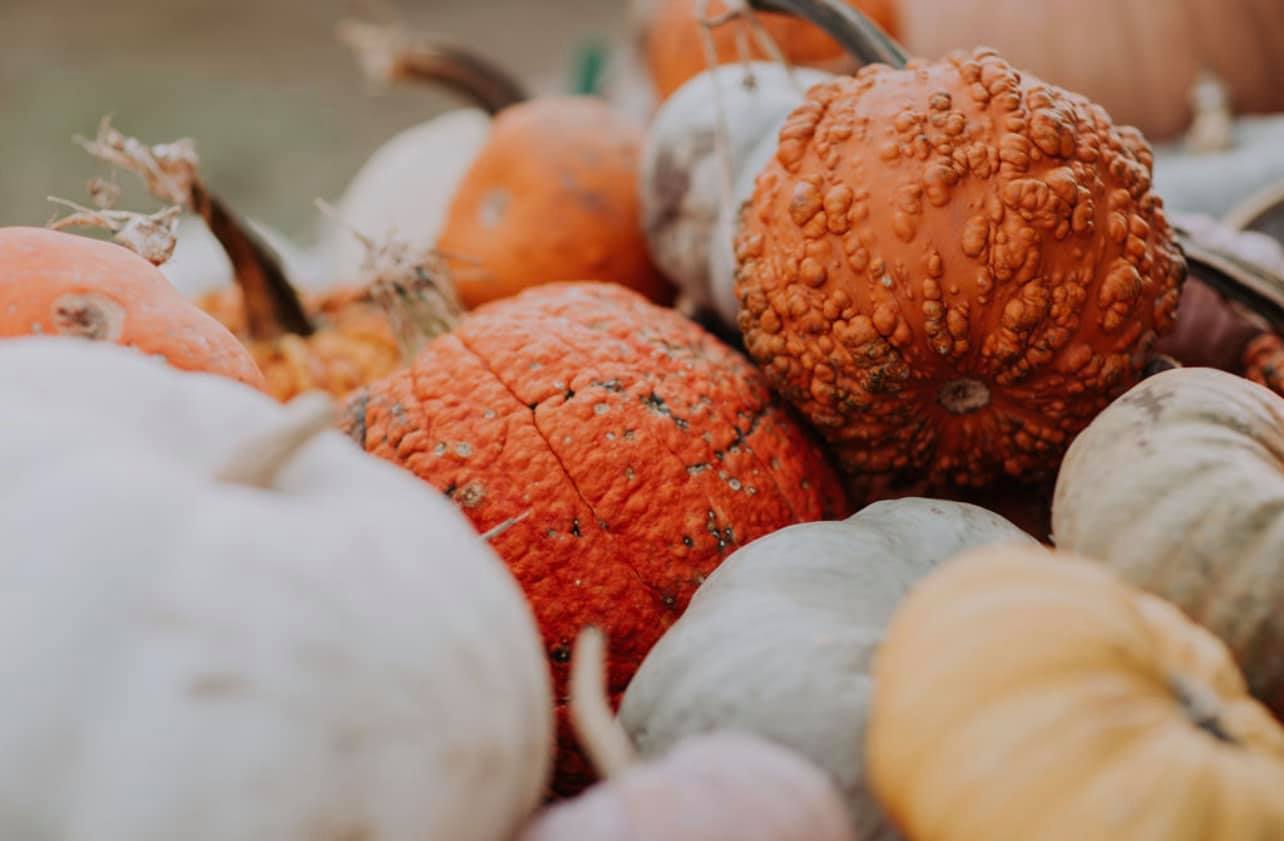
x,y
675,53
951,268
55,283
552,195
628,452
1263,362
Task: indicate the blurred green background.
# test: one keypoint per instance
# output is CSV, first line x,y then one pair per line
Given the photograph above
x,y
278,107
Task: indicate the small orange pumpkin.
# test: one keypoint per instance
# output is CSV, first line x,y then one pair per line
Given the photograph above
x,y
675,54
55,283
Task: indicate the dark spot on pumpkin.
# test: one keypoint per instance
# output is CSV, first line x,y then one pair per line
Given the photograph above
x,y
354,419
672,181
532,406
450,489
1149,400
655,403
670,602
561,653
88,315
610,385
215,686
569,393
687,541
575,528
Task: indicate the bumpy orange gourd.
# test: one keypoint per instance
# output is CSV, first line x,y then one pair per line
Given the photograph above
x,y
55,283
950,269
1018,696
675,53
353,343
551,196
628,451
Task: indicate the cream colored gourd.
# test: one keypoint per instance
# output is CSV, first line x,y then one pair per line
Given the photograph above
x,y
405,187
682,173
718,787
1020,696
1179,487
200,263
226,623
778,641
1215,182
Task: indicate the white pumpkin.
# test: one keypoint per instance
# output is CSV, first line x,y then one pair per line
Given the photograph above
x,y
682,174
1216,182
200,264
405,186
226,623
1179,486
778,641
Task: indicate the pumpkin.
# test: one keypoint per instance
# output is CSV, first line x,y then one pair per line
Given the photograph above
x,y
332,341
914,273
262,633
548,194
817,597
1017,696
1263,361
1139,59
675,52
56,283
725,786
682,170
627,450
1193,514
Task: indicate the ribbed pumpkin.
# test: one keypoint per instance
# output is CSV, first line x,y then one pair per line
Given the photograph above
x,y
674,52
1022,697
627,451
950,269
1179,486
53,283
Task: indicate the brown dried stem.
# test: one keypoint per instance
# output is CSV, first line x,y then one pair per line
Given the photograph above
x,y
151,236
392,53
170,172
412,287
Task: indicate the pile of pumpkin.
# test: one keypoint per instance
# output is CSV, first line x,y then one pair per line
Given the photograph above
x,y
712,422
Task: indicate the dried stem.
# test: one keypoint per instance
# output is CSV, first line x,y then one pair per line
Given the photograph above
x,y
152,237
413,288
391,53
170,172
599,733
258,463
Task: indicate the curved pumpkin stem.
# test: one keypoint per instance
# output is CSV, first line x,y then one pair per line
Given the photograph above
x,y
1253,286
170,171
599,732
859,36
389,53
257,463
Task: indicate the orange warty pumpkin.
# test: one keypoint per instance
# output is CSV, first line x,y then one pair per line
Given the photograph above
x,y
551,196
55,283
1264,362
627,450
950,269
674,52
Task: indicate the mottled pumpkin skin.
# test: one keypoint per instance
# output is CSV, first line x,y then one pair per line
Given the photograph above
x,y
352,346
675,53
59,284
551,196
641,451
950,269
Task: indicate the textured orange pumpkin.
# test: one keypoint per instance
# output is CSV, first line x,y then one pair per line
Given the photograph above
x,y
55,283
674,52
551,196
1264,362
950,269
351,346
631,450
